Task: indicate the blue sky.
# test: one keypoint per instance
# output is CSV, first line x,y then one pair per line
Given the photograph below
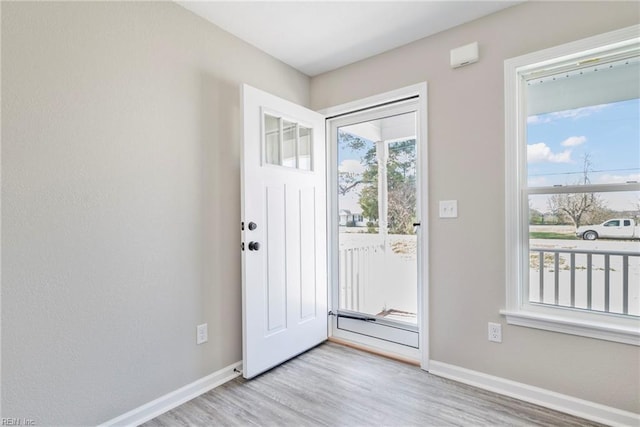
x,y
610,134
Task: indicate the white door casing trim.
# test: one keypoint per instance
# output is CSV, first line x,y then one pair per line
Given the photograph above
x,y
420,91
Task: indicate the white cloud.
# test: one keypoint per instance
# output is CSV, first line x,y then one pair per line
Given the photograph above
x,y
574,141
351,166
540,152
576,113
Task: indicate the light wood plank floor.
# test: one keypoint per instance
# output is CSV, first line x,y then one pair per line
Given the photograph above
x,y
334,385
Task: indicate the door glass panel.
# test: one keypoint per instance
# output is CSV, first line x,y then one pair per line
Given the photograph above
x,y
272,139
377,209
288,144
304,148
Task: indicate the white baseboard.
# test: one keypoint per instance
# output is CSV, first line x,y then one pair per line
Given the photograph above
x,y
539,396
176,398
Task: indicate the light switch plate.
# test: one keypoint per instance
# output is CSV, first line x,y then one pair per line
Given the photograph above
x,y
448,209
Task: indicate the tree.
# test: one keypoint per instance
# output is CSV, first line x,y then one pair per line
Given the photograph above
x,y
577,206
535,216
401,183
347,181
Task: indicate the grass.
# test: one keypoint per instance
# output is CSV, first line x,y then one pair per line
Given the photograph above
x,y
551,235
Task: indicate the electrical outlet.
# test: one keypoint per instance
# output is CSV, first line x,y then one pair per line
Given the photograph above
x,y
202,334
495,332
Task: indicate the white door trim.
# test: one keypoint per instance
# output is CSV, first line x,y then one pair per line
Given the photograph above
x,y
419,90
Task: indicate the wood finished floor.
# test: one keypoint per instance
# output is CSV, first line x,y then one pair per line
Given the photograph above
x,y
333,385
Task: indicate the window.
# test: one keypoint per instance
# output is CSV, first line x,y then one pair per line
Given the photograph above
x,y
572,118
287,143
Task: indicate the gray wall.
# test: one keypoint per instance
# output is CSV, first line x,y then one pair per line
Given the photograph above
x,y
121,202
466,137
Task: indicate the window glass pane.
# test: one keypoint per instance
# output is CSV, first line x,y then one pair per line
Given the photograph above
x,y
305,148
377,242
588,260
288,144
589,145
272,139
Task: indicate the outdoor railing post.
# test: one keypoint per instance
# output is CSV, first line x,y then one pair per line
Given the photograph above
x,y
342,278
351,280
556,275
541,276
589,273
606,282
625,284
573,279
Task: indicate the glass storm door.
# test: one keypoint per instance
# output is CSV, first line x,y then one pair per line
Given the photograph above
x,y
376,288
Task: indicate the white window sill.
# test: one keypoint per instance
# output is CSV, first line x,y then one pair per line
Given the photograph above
x,y
605,331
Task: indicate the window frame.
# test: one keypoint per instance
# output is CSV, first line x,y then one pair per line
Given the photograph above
x,y
518,310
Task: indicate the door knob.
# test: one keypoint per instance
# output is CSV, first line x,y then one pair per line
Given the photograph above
x,y
254,246
252,226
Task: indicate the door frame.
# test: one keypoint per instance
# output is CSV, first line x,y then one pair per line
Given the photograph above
x,y
420,91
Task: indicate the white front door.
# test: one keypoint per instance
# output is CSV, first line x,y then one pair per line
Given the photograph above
x,y
284,273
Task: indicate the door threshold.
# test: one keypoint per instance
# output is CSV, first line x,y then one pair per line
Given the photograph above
x,y
375,351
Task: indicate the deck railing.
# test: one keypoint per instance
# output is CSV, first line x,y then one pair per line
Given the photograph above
x,y
356,267
572,274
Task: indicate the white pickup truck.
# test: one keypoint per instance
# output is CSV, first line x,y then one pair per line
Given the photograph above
x,y
618,228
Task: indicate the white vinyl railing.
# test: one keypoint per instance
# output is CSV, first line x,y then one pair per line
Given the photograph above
x,y
357,266
599,280
378,275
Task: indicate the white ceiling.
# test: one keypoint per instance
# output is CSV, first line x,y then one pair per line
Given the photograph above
x,y
318,36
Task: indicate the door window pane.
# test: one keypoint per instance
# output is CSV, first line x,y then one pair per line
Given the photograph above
x,y
304,148
288,144
272,139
